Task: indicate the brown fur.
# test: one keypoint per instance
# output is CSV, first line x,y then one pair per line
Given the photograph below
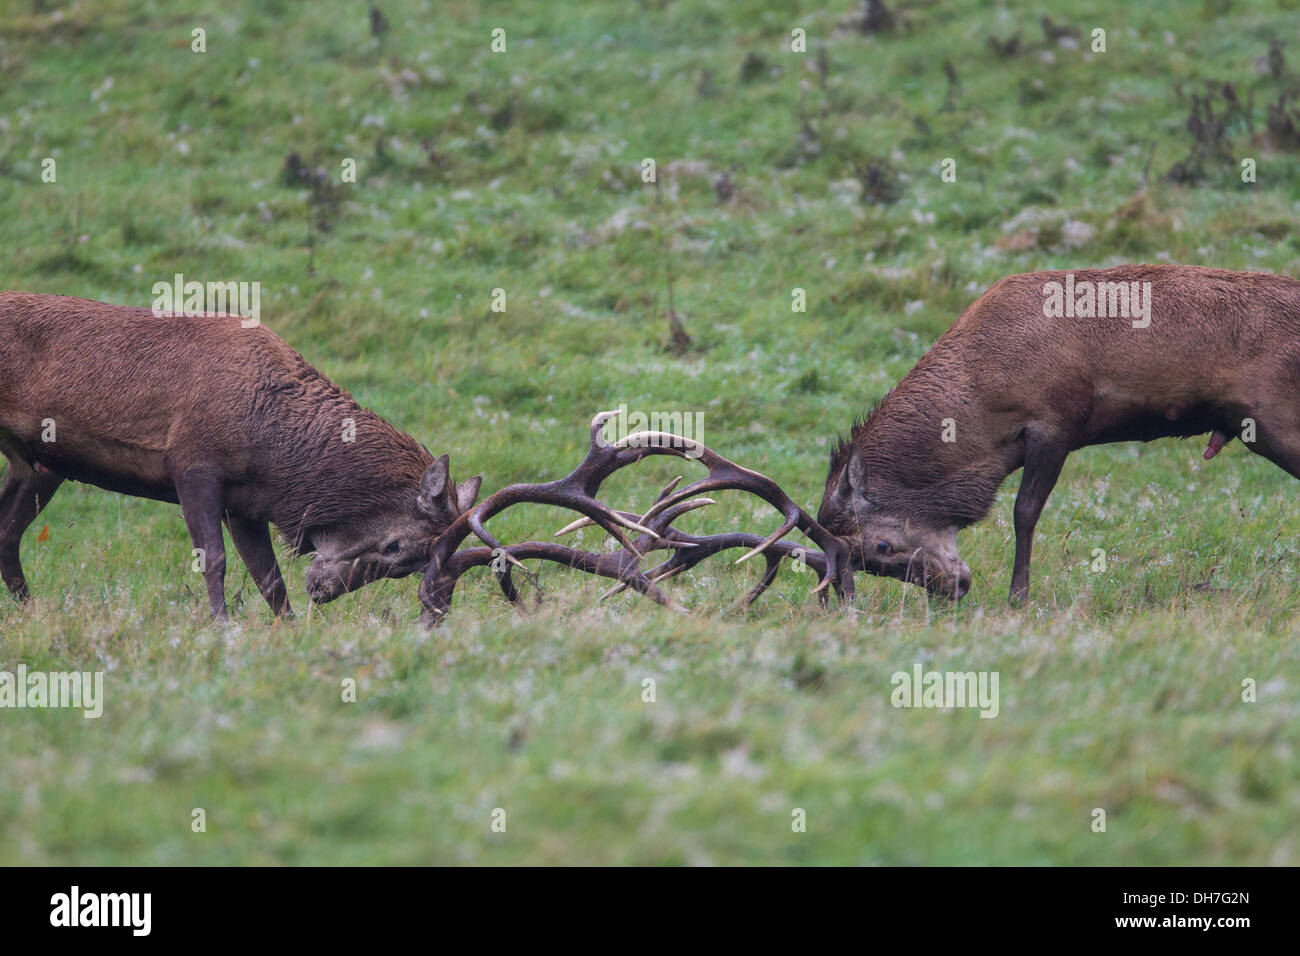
x,y
151,406
1025,390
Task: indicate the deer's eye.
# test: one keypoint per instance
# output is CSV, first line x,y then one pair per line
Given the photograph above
x,y
392,547
882,547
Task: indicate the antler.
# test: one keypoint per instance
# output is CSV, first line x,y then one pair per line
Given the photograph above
x,y
689,550
577,491
725,474
619,565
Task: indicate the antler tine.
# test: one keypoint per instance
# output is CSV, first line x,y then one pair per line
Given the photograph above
x,y
644,546
572,526
676,511
786,527
673,513
655,529
708,545
668,489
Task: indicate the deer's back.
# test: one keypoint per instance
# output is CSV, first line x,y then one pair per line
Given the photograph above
x,y
1212,334
128,391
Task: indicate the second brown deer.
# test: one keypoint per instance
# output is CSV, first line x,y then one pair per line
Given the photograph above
x,y
1046,363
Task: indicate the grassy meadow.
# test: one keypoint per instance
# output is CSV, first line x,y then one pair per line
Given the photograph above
x,y
1121,689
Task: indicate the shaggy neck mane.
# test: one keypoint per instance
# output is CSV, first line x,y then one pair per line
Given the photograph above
x,y
911,471
325,482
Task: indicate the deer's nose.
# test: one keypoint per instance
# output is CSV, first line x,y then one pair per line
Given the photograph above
x,y
963,581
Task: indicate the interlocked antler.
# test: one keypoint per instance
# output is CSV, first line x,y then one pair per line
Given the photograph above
x,y
689,550
619,565
833,561
577,491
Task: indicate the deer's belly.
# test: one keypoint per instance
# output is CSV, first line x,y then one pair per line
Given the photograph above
x,y
126,470
1173,420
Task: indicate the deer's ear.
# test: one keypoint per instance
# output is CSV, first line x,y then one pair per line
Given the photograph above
x,y
853,479
467,493
434,487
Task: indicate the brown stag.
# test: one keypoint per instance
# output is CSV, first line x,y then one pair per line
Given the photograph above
x,y
1048,362
225,420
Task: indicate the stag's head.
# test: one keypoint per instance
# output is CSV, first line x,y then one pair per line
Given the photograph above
x,y
391,542
886,539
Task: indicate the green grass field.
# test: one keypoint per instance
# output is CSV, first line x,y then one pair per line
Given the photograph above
x,y
1121,689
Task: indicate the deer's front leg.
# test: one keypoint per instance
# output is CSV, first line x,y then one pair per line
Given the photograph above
x,y
200,498
1043,460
